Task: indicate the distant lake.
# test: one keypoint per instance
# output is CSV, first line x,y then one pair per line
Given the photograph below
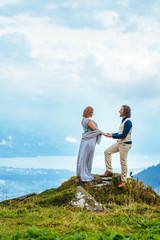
x,y
135,161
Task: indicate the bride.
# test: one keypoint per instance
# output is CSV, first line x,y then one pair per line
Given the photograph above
x,y
90,137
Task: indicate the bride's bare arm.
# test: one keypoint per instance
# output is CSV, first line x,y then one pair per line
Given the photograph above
x,y
91,125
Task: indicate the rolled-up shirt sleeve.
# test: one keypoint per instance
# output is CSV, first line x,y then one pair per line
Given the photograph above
x,y
127,127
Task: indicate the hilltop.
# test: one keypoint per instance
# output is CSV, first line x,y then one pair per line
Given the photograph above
x,y
132,213
135,191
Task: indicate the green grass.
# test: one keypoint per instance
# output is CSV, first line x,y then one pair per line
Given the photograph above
x,y
49,215
135,221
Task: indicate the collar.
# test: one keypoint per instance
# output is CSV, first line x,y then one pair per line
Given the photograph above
x,y
123,119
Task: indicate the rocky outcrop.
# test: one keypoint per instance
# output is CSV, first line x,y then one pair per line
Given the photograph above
x,y
84,200
21,198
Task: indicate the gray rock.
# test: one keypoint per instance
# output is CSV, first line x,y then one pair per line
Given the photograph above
x,y
106,178
21,198
84,200
102,184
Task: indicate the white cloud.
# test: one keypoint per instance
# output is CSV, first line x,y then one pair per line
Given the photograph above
x,y
10,138
51,6
71,140
41,143
59,52
104,59
71,4
5,143
2,182
7,2
108,18
27,144
123,2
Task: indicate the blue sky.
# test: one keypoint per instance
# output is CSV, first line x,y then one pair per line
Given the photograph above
x,y
57,57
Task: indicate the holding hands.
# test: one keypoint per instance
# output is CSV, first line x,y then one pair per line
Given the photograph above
x,y
108,135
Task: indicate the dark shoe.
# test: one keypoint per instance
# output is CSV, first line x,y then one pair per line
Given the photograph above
x,y
122,185
107,174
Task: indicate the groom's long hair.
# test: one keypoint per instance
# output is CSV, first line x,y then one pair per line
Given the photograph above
x,y
127,111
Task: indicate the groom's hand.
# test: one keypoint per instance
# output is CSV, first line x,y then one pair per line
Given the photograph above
x,y
108,134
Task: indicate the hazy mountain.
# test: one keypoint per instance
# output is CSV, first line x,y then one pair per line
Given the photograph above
x,y
150,177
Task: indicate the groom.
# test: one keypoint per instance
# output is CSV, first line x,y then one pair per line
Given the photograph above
x,y
122,146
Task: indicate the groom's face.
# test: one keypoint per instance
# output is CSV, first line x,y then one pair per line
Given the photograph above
x,y
121,111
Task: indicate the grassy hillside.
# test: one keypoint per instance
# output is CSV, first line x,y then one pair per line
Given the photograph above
x,y
132,213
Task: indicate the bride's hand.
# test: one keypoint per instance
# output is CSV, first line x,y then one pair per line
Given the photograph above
x,y
107,134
